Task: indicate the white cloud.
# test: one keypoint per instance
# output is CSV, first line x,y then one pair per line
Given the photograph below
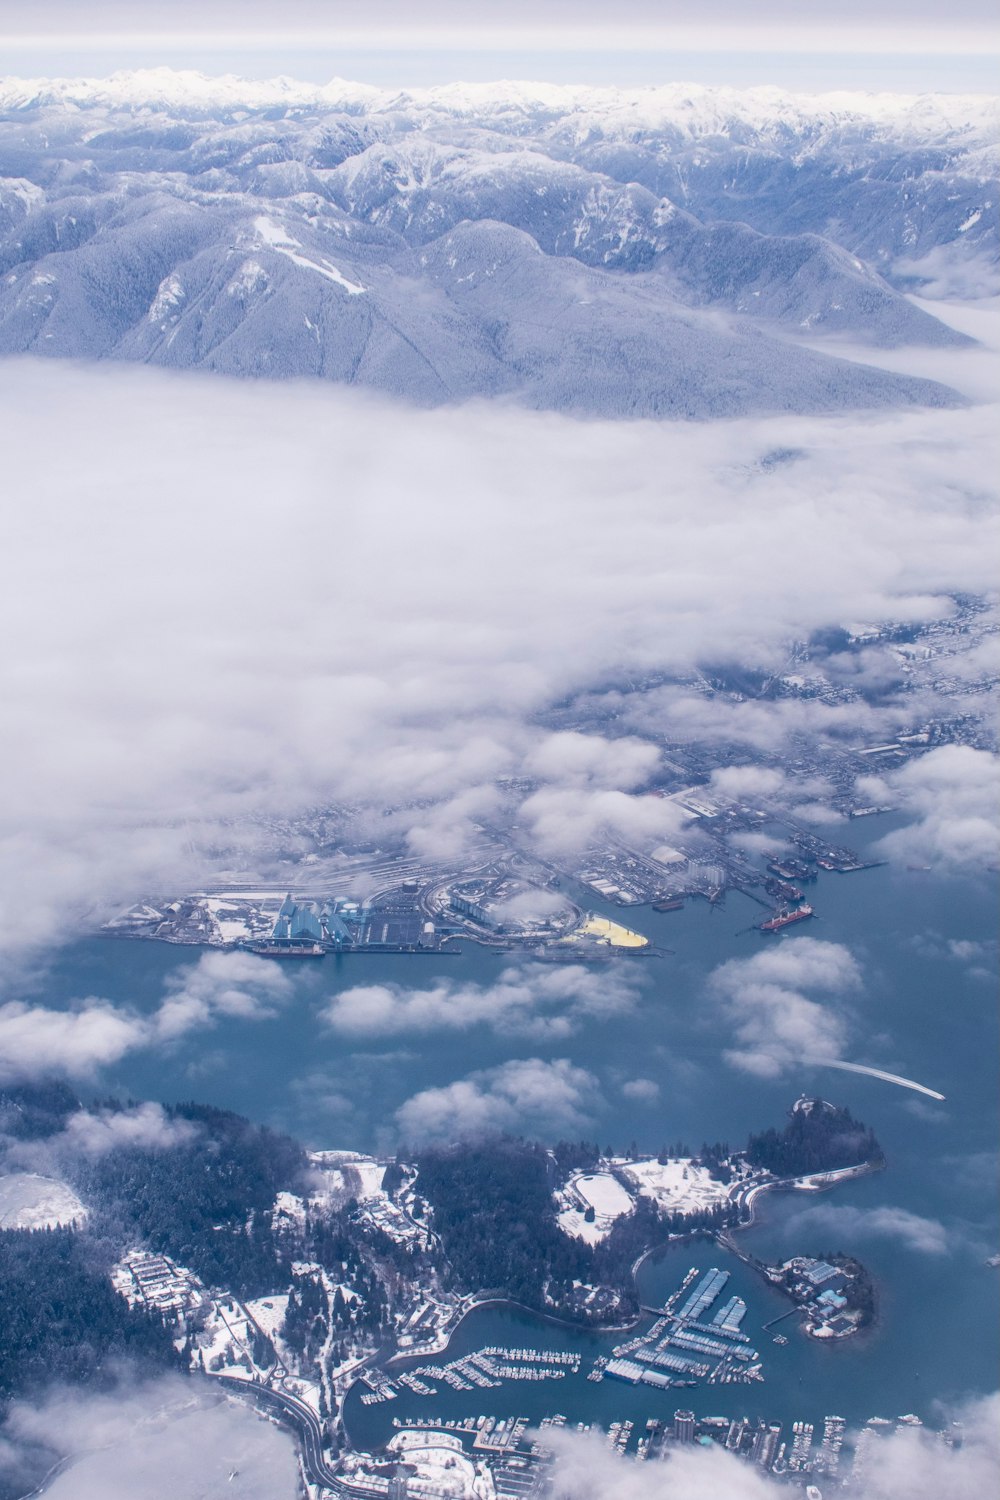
x,y
160,1439
953,793
564,820
35,1040
194,651
586,759
586,1470
926,1236
533,905
906,1465
534,1000
745,783
95,1132
642,1090
810,962
220,984
775,1025
952,272
528,1096
765,786
38,1040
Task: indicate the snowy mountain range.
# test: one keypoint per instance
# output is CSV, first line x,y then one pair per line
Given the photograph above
x,y
644,252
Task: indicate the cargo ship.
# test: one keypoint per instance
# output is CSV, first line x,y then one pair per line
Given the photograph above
x,y
278,948
785,918
791,869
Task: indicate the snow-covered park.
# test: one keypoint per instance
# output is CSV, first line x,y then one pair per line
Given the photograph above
x,y
677,1186
599,1191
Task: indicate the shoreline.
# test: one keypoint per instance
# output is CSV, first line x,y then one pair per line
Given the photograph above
x,y
440,1347
813,1182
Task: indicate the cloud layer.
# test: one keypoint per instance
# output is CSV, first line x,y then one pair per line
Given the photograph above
x,y
953,794
165,1439
532,1000
906,1465
913,1231
259,599
523,1096
775,1022
38,1040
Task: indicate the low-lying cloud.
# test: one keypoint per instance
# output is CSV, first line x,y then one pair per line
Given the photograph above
x,y
146,1439
250,603
525,1097
533,1000
146,1126
38,1041
221,984
773,1020
92,1133
35,1040
906,1465
953,794
912,1231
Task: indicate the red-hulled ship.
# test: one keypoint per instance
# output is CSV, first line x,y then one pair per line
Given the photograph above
x,y
785,918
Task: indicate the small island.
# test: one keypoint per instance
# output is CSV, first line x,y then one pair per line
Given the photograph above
x,y
835,1293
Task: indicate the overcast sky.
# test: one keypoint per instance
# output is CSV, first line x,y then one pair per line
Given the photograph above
x,y
884,44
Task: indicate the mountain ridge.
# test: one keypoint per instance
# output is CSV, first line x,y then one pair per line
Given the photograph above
x,y
131,214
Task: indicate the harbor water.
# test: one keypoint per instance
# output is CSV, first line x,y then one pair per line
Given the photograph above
x,y
924,1226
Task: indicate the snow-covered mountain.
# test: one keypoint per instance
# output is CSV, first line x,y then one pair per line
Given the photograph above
x,y
658,251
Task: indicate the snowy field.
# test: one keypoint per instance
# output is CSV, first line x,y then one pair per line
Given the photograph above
x,y
269,1312
604,1193
678,1186
346,1173
30,1201
597,1190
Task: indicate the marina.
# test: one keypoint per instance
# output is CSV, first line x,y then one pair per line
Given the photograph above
x,y
680,1350
485,1369
918,1347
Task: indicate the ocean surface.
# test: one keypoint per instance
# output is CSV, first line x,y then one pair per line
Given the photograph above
x,y
924,1226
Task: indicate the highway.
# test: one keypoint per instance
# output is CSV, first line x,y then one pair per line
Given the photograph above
x,y
302,1419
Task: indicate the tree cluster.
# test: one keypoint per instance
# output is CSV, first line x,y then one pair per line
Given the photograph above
x,y
60,1315
493,1211
818,1138
860,1287
679,1152
206,1202
575,1156
32,1111
715,1157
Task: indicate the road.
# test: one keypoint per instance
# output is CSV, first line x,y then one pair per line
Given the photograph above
x,y
297,1415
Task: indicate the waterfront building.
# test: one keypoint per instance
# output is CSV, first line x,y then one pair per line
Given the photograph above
x,y
821,1273
683,1426
765,1444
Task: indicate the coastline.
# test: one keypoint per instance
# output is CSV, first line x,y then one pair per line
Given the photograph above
x,y
814,1182
440,1344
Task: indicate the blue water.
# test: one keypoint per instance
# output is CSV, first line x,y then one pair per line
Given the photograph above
x,y
923,1013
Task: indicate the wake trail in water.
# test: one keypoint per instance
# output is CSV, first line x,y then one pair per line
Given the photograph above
x,y
904,1083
